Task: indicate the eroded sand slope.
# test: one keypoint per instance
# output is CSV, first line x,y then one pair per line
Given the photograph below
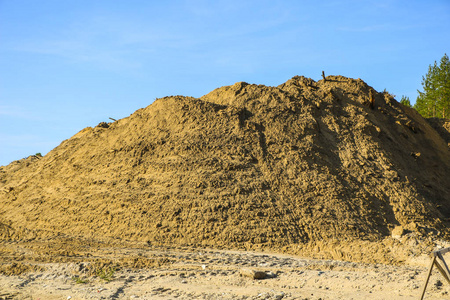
x,y
306,167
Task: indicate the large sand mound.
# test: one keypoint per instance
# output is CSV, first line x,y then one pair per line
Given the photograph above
x,y
245,166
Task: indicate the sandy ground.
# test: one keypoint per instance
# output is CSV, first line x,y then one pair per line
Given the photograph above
x,y
214,274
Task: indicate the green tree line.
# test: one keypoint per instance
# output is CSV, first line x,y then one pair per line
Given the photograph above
x,y
434,100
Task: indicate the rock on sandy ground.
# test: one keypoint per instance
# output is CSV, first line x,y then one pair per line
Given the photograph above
x,y
213,274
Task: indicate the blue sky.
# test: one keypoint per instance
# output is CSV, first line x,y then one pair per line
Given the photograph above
x,y
66,65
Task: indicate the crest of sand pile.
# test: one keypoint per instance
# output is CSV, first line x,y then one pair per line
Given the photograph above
x,y
245,166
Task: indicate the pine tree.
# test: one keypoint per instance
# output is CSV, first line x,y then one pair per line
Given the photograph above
x,y
405,101
444,80
434,101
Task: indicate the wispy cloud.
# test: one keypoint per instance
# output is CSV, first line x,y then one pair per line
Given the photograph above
x,y
77,51
16,112
382,27
20,139
101,41
17,146
116,41
370,28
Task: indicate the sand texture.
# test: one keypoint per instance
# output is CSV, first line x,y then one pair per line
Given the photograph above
x,y
327,170
137,271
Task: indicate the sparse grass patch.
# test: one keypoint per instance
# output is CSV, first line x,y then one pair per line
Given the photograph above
x,y
79,280
106,273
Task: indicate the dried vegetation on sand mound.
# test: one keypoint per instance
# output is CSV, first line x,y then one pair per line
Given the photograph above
x,y
245,166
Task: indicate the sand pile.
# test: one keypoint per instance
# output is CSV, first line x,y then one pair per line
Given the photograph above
x,y
305,165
